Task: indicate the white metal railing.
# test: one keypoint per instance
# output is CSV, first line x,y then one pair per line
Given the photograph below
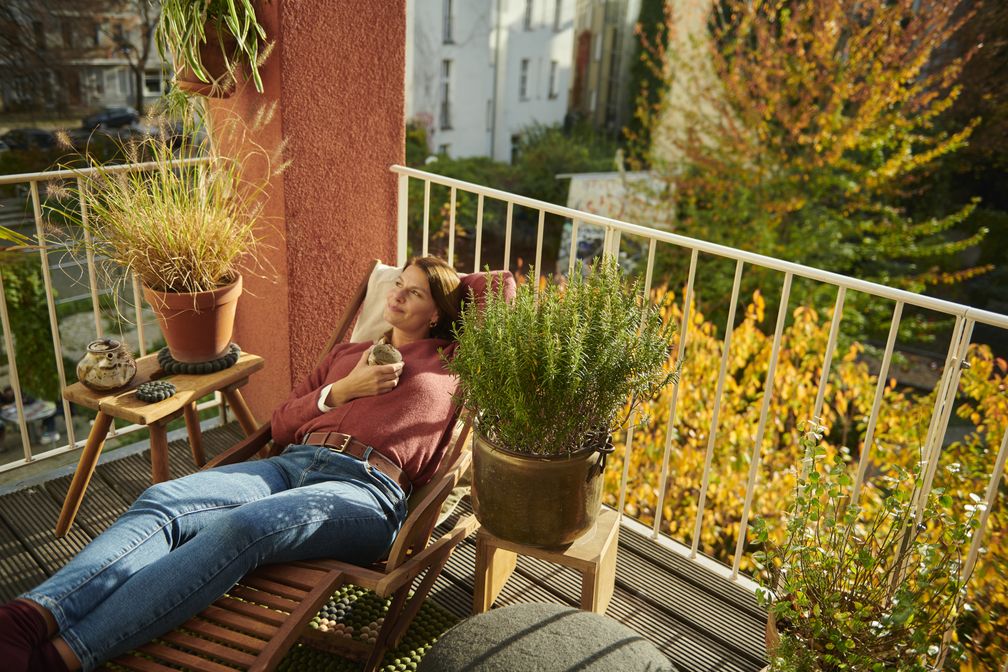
x,y
965,319
44,248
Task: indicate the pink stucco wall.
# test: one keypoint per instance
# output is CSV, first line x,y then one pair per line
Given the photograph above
x,y
337,75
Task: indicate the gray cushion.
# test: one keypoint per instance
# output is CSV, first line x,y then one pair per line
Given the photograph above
x,y
542,637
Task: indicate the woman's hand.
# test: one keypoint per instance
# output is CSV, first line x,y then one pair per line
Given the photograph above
x,y
364,381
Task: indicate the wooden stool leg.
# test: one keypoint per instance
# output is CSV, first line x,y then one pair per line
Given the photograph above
x,y
598,583
85,469
493,568
241,410
195,435
158,452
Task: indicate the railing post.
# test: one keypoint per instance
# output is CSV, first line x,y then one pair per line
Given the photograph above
x,y
670,426
451,228
538,255
479,233
12,364
757,444
715,413
402,224
51,304
880,386
426,217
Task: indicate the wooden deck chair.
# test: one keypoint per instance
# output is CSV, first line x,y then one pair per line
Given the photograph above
x,y
260,619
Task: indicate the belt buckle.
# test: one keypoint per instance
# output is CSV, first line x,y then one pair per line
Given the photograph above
x,y
343,446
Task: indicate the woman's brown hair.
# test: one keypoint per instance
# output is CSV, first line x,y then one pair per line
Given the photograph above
x,y
445,289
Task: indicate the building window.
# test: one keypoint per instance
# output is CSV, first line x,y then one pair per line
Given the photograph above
x,y
444,149
40,41
553,79
95,34
523,77
446,21
152,83
446,94
527,20
515,146
120,34
557,13
68,37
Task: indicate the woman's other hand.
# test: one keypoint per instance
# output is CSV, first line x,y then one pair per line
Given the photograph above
x,y
364,381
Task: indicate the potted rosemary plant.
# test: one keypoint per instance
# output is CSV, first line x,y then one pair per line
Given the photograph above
x,y
184,220
210,42
861,587
549,376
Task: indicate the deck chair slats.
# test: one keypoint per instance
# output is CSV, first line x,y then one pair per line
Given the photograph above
x,y
279,588
253,611
229,655
186,660
247,624
226,635
263,598
302,578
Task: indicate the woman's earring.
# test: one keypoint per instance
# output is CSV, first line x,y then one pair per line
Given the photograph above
x,y
432,324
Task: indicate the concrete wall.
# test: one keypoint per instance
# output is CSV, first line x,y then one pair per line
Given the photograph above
x,y
337,78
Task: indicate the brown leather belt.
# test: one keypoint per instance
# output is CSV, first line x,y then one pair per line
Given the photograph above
x,y
346,444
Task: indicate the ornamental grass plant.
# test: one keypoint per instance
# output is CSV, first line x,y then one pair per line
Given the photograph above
x,y
188,219
863,593
558,369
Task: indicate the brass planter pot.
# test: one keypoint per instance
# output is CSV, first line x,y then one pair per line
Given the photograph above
x,y
535,500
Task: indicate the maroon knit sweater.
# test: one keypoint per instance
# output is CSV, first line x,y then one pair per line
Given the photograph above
x,y
411,424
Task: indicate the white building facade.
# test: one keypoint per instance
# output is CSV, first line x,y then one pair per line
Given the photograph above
x,y
479,71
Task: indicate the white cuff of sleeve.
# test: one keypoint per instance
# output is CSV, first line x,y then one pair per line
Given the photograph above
x,y
322,397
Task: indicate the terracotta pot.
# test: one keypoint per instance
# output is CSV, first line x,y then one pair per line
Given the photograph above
x,y
221,84
198,326
535,500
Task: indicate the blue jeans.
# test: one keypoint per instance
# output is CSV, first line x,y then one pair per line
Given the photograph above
x,y
186,542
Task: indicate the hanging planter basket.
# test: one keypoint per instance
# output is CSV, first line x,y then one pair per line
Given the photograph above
x,y
211,54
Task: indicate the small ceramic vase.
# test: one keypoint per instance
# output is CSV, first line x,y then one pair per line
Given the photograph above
x,y
107,365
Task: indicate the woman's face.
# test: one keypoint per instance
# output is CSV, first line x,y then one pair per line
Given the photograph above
x,y
409,306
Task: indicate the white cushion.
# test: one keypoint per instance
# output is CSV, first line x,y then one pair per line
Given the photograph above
x,y
371,324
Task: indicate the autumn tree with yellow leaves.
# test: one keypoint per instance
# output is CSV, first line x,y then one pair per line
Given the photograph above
x,y
963,472
798,130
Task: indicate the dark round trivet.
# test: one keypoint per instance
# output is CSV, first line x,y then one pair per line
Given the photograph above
x,y
155,390
171,366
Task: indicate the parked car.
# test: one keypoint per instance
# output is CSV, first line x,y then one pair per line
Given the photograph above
x,y
28,138
3,147
111,117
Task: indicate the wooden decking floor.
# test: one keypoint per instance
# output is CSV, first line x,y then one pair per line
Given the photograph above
x,y
702,622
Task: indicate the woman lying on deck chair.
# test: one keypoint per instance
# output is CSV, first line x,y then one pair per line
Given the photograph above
x,y
186,542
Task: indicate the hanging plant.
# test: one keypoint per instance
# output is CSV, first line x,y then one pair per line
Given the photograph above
x,y
212,40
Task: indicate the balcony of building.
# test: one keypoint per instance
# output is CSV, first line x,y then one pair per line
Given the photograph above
x,y
700,611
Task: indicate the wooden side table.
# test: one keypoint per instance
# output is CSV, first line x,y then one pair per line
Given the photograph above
x,y
592,555
123,404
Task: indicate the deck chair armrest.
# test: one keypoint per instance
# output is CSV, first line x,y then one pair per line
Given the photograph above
x,y
417,529
434,551
244,449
